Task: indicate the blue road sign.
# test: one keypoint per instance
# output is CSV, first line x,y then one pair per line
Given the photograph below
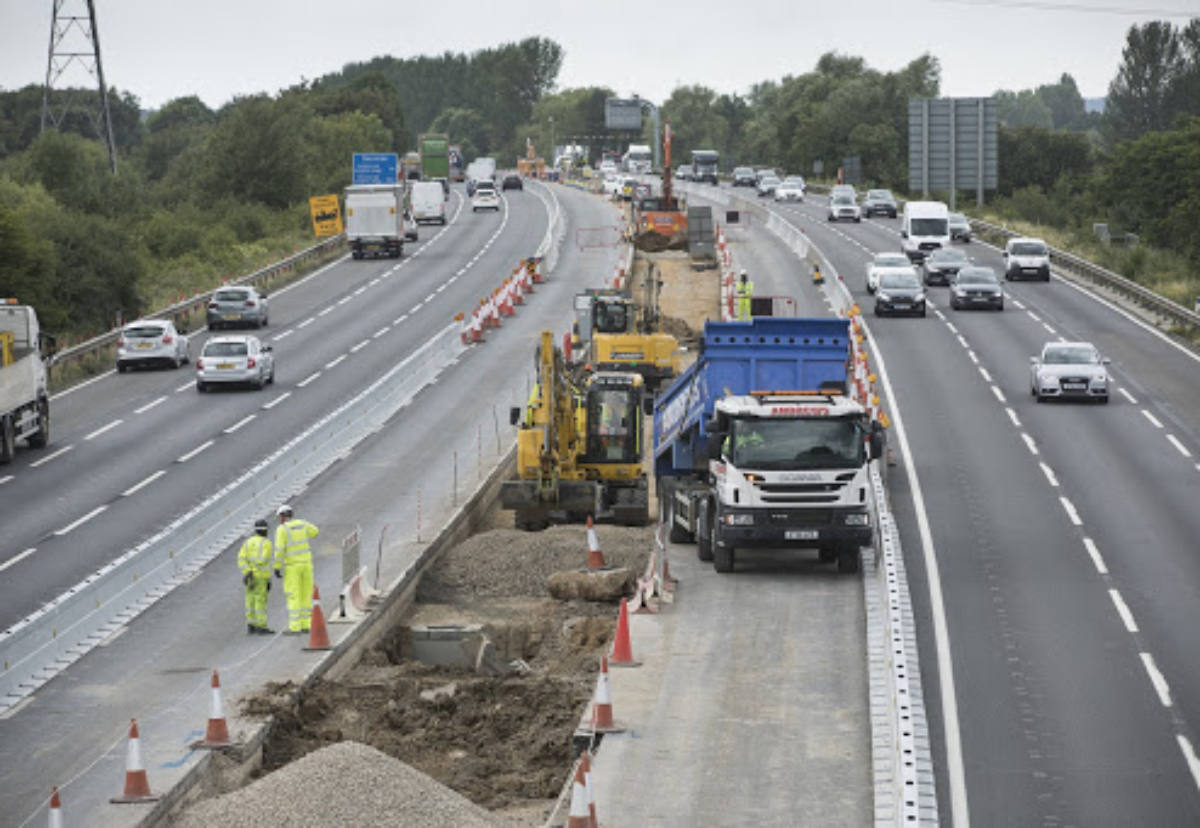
x,y
375,168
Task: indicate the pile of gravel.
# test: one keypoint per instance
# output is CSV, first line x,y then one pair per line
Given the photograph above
x,y
344,784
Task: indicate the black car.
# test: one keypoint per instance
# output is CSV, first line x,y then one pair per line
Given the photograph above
x,y
943,264
744,177
899,293
976,287
879,203
512,181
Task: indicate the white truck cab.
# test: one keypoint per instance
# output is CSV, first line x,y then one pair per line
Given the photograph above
x,y
925,226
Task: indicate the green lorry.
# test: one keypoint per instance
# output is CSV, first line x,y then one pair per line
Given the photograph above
x,y
435,156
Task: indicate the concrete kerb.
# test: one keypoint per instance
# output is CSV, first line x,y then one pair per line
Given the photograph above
x,y
220,771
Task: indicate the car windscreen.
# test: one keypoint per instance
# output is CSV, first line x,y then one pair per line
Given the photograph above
x,y
891,260
782,444
976,277
1029,249
928,227
217,349
144,332
958,218
1076,355
843,199
880,195
948,255
900,281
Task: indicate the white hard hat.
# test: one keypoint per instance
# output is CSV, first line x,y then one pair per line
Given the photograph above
x,y
743,271
284,510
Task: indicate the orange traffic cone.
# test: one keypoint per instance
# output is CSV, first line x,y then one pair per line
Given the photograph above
x,y
137,784
591,794
602,707
595,559
56,815
580,815
217,734
622,651
318,636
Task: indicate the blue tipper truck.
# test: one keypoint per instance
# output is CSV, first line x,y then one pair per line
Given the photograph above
x,y
759,444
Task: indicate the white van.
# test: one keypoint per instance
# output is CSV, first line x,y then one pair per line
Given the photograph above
x,y
428,202
925,227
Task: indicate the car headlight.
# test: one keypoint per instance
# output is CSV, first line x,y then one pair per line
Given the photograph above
x,y
856,519
739,520
920,297
1048,380
884,297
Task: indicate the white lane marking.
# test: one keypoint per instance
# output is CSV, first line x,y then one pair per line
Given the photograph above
x,y
373,282
308,379
936,312
359,291
1049,472
400,319
81,521
1157,679
443,287
83,384
103,429
1179,446
999,394
149,405
953,329
283,335
240,423
50,457
963,342
132,490
1097,560
185,387
1127,395
974,358
1069,507
416,307
277,400
1033,449
344,300
5,479
1034,316
1012,415
360,346
306,322
327,310
381,332
1189,754
983,372
336,362
195,451
1051,330
1018,303
1152,418
15,559
1123,611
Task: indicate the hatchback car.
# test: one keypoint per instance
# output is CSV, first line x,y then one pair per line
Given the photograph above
x,y
843,208
960,228
976,287
941,265
900,293
879,203
744,177
1069,370
767,185
151,342
887,263
485,197
237,306
512,181
789,191
235,360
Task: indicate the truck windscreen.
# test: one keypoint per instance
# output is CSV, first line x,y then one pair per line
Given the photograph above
x,y
929,227
787,444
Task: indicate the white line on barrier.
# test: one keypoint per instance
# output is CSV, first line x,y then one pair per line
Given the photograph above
x,y
240,423
1152,418
1069,507
308,379
149,405
132,490
195,451
1180,447
50,457
1157,679
1033,449
277,400
1127,395
334,363
103,429
15,559
1123,611
81,521
1097,559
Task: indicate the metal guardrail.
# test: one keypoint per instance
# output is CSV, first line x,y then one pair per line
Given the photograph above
x,y
105,340
1129,289
45,643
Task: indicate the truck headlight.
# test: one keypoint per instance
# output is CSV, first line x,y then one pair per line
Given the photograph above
x,y
856,519
739,520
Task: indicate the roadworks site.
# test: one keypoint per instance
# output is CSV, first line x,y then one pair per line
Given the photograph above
x,y
465,712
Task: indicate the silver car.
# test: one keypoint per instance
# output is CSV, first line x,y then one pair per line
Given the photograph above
x,y
237,306
844,207
976,287
235,360
151,342
1069,370
887,263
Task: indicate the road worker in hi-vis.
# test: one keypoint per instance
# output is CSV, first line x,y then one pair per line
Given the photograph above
x,y
254,562
293,563
745,292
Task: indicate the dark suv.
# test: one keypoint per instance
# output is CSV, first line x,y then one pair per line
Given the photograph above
x,y
879,203
512,181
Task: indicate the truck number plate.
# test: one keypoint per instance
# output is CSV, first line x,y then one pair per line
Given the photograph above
x,y
801,534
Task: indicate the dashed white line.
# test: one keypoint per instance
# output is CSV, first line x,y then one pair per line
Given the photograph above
x,y
306,322
1051,330
1012,415
277,400
443,287
240,423
416,307
1034,316
334,363
1097,560
308,379
81,521
132,490
283,335
1189,754
999,394
359,291
327,310
15,559
953,329
1069,507
430,297
195,451
1123,611
1151,418
103,429
1018,303
5,479
381,332
373,282
185,387
1180,447
360,346
983,372
974,358
963,342
400,319
1049,472
149,405
1127,395
1157,679
50,457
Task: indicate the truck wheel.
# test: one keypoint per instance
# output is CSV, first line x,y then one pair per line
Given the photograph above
x,y
723,559
42,438
8,440
704,540
848,558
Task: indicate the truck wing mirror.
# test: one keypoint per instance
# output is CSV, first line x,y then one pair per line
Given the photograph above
x,y
904,234
713,445
514,415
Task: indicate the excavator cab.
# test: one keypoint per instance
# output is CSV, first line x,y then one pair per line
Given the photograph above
x,y
611,315
614,420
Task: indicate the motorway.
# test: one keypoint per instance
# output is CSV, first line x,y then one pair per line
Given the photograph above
x,y
1063,539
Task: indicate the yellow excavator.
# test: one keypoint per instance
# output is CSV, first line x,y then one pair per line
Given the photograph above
x,y
579,449
620,338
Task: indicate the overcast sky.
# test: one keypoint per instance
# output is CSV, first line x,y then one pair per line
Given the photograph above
x,y
164,49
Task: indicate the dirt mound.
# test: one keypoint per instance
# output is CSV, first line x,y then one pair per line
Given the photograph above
x,y
651,242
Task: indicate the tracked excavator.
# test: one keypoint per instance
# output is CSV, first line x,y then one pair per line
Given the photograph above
x,y
579,447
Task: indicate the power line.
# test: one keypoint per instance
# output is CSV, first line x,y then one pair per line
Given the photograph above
x,y
1074,7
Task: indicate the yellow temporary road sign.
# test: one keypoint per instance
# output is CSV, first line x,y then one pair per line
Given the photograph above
x,y
326,215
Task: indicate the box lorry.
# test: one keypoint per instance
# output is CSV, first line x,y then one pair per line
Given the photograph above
x,y
435,156
24,398
760,444
704,166
375,223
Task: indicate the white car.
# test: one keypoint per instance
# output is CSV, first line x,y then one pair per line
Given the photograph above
x,y
843,207
1026,259
612,185
789,191
1069,370
151,342
485,197
887,263
235,360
